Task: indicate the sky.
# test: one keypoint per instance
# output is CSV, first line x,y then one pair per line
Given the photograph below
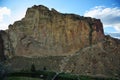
x,y
106,10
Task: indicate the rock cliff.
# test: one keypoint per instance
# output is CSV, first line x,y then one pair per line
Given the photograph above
x,y
6,49
71,43
2,56
44,32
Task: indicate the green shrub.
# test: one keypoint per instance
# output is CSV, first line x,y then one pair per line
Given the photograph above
x,y
33,69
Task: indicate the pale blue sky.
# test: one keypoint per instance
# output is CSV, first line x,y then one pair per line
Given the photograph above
x,y
78,6
107,10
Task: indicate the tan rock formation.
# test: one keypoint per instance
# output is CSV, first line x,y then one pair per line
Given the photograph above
x,y
45,32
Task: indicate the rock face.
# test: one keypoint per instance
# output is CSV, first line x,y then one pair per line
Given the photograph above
x,y
6,49
45,32
71,43
2,57
102,58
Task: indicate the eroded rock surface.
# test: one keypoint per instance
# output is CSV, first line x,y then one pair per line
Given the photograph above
x,y
44,32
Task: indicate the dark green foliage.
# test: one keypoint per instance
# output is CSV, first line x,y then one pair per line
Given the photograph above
x,y
3,72
33,68
44,68
48,75
67,77
22,78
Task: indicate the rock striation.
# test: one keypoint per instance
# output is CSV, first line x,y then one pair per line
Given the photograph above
x,y
71,43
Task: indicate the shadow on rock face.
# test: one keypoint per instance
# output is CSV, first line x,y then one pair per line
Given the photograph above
x,y
2,56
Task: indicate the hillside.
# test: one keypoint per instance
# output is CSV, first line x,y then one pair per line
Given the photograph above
x,y
60,42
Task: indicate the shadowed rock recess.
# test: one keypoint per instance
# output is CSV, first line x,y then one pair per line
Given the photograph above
x,y
60,42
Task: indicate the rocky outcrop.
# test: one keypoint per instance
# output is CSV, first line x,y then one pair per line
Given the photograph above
x,y
44,32
60,42
6,49
2,56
